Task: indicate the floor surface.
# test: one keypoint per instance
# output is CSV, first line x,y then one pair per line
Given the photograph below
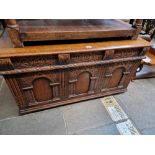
x,y
84,118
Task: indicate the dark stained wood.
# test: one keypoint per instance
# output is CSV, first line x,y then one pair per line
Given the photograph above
x,y
69,29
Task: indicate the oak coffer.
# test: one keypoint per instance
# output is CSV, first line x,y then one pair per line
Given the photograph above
x,y
46,76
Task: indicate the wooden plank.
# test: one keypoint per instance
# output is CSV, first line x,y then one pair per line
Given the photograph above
x,y
45,29
71,48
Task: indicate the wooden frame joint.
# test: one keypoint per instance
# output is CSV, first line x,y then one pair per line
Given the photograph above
x,y
63,58
6,64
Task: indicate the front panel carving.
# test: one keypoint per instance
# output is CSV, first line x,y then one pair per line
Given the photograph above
x,y
70,81
83,82
116,77
40,87
42,90
34,61
125,53
87,57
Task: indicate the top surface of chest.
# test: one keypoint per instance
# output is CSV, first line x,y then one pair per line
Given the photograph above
x,y
70,48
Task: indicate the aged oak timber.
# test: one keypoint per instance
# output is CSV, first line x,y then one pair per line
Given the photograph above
x,y
47,76
27,30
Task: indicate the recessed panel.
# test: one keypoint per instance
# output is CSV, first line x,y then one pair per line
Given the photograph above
x,y
116,77
82,85
42,89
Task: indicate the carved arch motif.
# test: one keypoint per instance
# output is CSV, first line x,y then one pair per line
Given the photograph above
x,y
42,89
83,82
116,77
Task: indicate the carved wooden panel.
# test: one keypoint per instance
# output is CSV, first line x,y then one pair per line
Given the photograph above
x,y
69,77
42,90
125,53
87,56
48,87
34,61
83,82
40,87
63,58
116,77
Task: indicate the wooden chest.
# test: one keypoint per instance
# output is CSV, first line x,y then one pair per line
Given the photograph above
x,y
42,77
